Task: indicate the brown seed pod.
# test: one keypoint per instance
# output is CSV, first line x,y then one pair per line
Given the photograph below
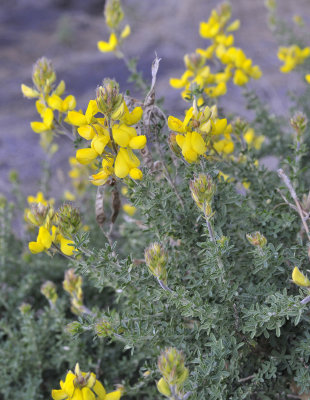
x,y
99,207
116,204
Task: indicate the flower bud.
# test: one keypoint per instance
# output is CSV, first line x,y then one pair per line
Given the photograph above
x,y
39,214
29,92
240,126
299,123
103,328
109,100
155,259
74,328
3,201
257,239
174,147
163,387
271,4
73,285
171,366
194,61
203,189
13,176
69,220
72,282
25,308
113,13
43,75
48,289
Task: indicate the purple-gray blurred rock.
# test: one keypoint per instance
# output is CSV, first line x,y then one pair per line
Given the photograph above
x,y
67,32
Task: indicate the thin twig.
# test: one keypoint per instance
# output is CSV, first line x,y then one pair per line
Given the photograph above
x,y
165,287
288,184
248,378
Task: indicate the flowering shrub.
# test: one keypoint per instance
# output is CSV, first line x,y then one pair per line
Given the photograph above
x,y
177,267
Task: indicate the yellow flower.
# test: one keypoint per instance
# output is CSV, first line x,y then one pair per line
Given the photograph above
x,y
83,120
240,78
126,136
182,82
292,56
216,91
29,92
307,77
192,145
125,32
131,118
39,198
126,163
43,242
46,124
252,140
225,146
107,170
111,45
83,386
86,156
163,387
129,209
57,103
65,245
69,196
299,278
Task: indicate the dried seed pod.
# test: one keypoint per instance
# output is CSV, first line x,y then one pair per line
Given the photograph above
x,y
99,208
116,204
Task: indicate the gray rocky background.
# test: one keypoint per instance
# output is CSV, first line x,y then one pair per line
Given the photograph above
x,y
67,32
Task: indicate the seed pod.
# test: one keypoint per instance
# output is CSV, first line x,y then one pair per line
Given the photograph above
x,y
99,208
116,204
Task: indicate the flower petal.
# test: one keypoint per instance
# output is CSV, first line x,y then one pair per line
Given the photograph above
x,y
116,395
59,395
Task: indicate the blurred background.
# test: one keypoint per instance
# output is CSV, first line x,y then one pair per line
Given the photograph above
x,y
67,31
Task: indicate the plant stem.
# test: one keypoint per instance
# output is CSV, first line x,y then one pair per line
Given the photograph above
x,y
289,185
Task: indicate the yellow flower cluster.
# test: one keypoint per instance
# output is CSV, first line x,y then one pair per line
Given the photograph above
x,y
32,214
253,140
83,386
112,135
48,102
113,17
292,56
171,364
41,214
201,130
235,64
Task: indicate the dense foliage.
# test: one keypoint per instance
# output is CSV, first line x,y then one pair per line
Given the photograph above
x,y
188,285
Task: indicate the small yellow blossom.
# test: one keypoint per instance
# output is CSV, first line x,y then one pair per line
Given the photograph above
x,y
55,102
125,32
252,140
126,163
129,209
292,56
83,386
69,195
46,124
43,242
111,45
299,278
29,92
